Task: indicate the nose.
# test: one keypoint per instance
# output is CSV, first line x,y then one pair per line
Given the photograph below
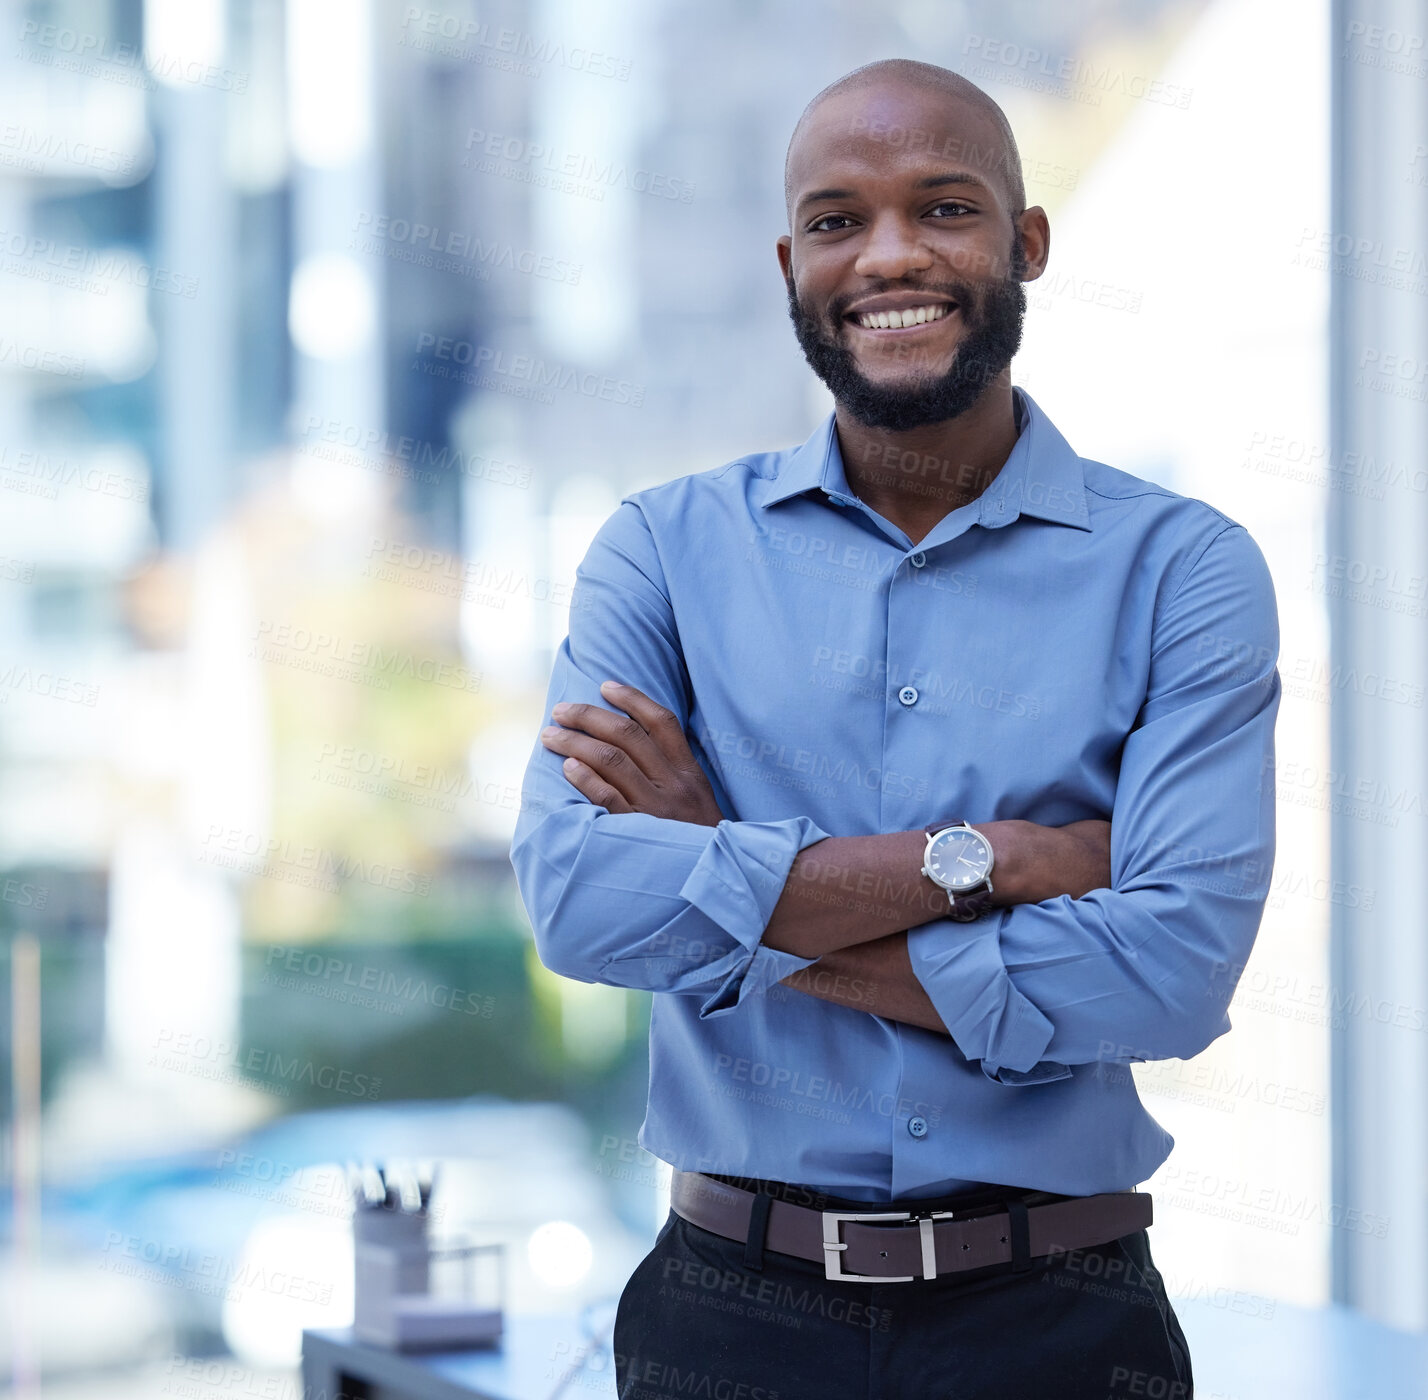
x,y
894,247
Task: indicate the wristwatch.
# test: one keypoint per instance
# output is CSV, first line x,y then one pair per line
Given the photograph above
x,y
959,859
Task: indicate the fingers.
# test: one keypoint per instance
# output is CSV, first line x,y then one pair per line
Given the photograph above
x,y
617,762
590,784
605,761
661,724
624,732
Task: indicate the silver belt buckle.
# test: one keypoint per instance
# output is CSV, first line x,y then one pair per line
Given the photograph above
x,y
833,1244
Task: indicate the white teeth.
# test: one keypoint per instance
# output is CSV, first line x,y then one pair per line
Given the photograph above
x,y
897,320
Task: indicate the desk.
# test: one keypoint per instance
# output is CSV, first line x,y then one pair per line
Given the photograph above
x,y
528,1364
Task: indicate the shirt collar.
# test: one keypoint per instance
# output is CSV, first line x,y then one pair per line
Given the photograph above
x,y
810,466
1042,477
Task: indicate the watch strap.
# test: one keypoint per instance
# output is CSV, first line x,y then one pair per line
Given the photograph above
x,y
967,907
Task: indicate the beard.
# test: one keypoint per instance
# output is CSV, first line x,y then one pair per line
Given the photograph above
x,y
992,316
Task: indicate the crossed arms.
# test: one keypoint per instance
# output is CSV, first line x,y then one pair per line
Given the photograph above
x,y
848,901
1113,941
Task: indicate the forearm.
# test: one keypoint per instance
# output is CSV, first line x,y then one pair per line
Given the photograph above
x,y
849,890
1031,863
875,977
846,891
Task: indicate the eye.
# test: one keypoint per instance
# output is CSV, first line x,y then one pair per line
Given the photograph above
x,y
954,205
817,225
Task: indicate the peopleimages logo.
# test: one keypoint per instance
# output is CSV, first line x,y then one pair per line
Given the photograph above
x,y
278,858
491,367
1075,78
478,41
33,149
86,269
819,1088
15,355
423,239
101,56
488,150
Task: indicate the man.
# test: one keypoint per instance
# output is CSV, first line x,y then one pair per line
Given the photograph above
x,y
920,773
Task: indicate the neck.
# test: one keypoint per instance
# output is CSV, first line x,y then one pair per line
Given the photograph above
x,y
921,474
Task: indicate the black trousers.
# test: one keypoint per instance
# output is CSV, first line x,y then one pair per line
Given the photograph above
x,y
706,1316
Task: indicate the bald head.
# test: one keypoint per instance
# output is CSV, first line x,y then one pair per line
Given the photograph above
x,y
986,136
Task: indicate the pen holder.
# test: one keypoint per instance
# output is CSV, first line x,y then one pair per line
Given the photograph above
x,y
393,1303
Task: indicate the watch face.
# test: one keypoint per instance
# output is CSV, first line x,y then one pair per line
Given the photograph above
x,y
960,859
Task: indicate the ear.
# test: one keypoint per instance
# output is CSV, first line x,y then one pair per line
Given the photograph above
x,y
1036,238
784,247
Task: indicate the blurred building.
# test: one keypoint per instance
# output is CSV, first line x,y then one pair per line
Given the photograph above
x,y
331,330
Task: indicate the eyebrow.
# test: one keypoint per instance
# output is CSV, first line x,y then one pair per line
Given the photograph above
x,y
929,182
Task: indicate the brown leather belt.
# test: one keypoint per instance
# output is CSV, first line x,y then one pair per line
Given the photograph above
x,y
927,1245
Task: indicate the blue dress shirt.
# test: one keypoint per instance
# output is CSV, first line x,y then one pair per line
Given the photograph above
x,y
1074,643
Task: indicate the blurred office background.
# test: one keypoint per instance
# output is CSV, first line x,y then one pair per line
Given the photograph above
x,y
330,330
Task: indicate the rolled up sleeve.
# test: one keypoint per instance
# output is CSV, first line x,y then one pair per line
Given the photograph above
x,y
1144,970
630,899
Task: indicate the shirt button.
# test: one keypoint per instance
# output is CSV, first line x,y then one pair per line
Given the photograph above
x,y
917,1127
917,560
908,695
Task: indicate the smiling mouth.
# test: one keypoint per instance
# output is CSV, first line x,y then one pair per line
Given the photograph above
x,y
907,319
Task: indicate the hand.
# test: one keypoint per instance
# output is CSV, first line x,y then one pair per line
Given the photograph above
x,y
636,762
